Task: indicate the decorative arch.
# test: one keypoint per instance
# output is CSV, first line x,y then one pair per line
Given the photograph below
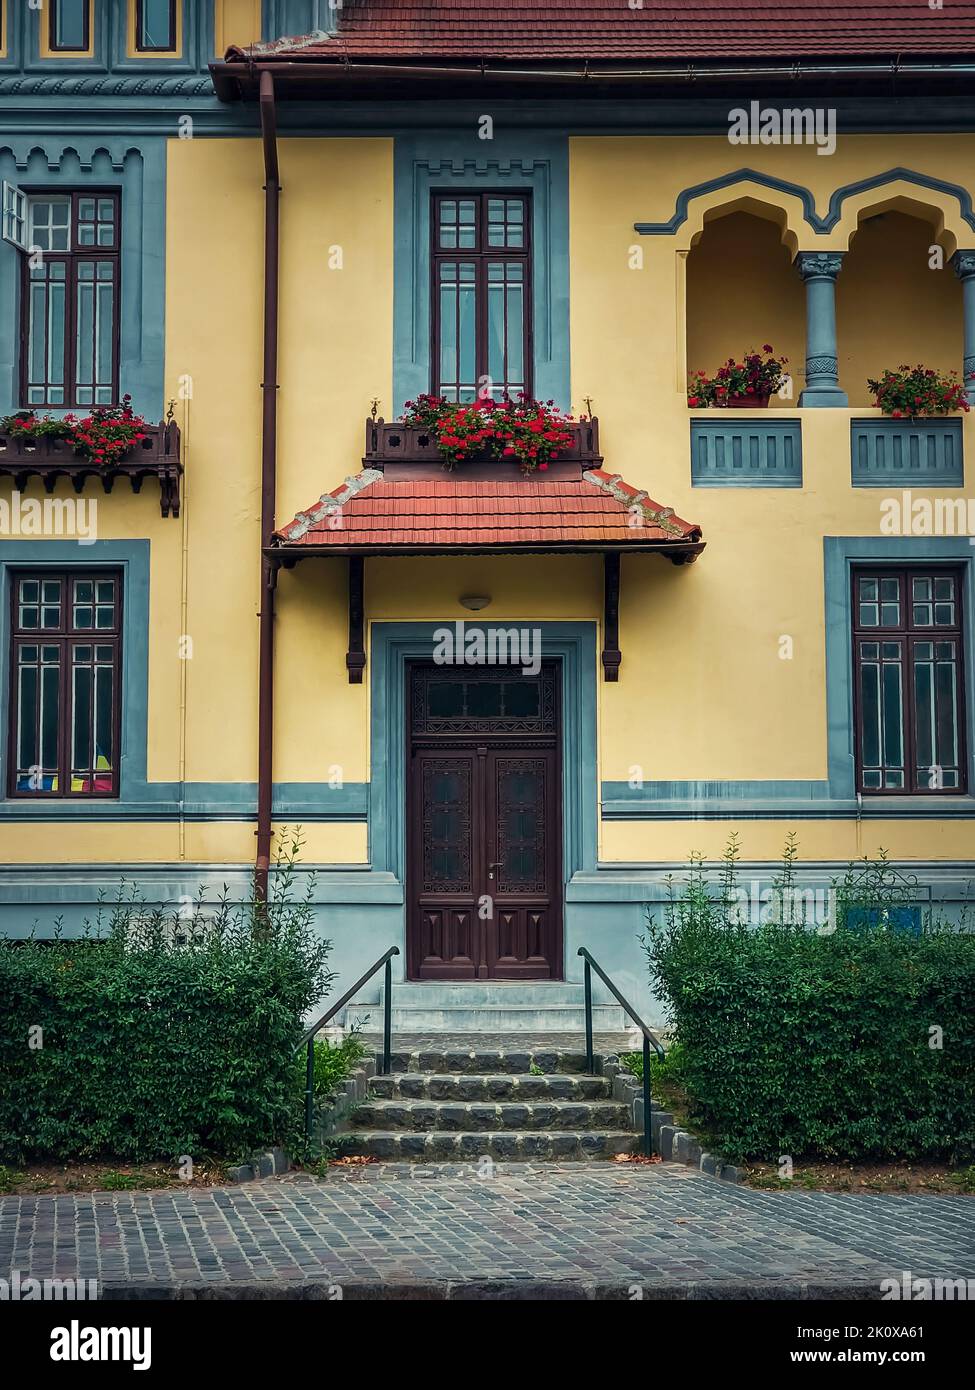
x,y
952,201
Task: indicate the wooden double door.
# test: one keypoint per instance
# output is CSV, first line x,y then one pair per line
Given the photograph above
x,y
484,824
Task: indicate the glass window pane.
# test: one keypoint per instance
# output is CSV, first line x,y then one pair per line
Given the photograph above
x,y
445,699
69,26
893,716
870,713
27,705
80,715
155,25
50,694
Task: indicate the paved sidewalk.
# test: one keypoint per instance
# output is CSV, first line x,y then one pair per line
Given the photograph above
x,y
578,1230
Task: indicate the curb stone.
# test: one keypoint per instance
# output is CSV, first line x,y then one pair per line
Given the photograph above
x,y
488,1290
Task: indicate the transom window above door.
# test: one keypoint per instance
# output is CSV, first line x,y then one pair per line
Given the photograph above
x,y
481,295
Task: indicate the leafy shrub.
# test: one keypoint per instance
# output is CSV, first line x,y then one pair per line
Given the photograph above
x,y
334,1062
159,1034
819,1042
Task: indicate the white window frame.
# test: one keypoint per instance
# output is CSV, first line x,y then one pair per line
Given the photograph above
x,y
15,216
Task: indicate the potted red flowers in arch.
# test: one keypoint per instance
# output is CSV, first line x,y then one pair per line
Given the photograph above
x,y
524,431
913,392
746,384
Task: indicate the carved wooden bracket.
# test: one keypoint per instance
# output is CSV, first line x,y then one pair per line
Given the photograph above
x,y
612,657
355,657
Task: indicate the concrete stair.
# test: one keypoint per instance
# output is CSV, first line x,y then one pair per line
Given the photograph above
x,y
455,1104
497,1007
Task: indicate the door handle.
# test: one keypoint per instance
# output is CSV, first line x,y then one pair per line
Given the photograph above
x,y
497,865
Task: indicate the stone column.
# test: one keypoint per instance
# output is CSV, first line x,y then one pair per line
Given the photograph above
x,y
819,270
964,264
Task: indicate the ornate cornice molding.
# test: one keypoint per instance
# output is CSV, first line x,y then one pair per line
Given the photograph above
x,y
101,85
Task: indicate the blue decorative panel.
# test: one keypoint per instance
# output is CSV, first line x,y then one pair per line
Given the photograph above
x,y
526,160
741,451
927,453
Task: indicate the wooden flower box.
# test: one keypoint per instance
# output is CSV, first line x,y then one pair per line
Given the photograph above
x,y
49,458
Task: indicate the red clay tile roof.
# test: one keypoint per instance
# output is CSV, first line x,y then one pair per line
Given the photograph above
x,y
592,511
610,30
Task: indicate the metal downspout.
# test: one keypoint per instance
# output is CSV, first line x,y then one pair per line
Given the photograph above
x,y
269,448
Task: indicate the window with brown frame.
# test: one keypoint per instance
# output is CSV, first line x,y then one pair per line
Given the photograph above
x,y
65,665
69,26
70,300
155,26
482,295
909,694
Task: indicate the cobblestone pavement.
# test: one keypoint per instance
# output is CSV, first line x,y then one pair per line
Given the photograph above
x,y
573,1230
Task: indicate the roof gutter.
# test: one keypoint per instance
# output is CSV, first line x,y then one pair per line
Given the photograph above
x,y
269,451
230,78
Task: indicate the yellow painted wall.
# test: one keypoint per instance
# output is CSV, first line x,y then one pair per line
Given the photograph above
x,y
236,22
337,194
703,692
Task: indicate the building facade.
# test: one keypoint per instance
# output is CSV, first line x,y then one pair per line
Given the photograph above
x,y
697,622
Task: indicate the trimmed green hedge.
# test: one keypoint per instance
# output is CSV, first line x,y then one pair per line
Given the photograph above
x,y
171,1034
803,1043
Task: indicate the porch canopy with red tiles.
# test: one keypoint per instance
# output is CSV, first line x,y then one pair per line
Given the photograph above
x,y
415,510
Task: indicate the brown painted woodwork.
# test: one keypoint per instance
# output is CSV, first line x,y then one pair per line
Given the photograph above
x,y
355,657
66,636
612,657
72,259
484,824
481,256
906,634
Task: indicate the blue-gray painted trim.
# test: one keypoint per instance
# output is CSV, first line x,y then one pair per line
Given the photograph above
x,y
137,167
899,439
392,645
629,881
539,163
109,50
766,442
294,802
820,225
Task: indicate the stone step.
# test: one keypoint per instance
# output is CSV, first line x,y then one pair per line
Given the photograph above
x,y
440,1116
478,1061
501,1019
444,1145
498,1086
484,1006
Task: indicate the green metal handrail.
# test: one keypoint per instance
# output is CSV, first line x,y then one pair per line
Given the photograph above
x,y
308,1039
650,1038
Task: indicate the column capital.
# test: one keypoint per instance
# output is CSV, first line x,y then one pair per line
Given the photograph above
x,y
963,264
821,265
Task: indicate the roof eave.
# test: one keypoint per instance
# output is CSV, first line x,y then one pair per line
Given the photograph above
x,y
238,80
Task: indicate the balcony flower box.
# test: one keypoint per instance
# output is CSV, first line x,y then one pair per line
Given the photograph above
x,y
50,457
395,443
